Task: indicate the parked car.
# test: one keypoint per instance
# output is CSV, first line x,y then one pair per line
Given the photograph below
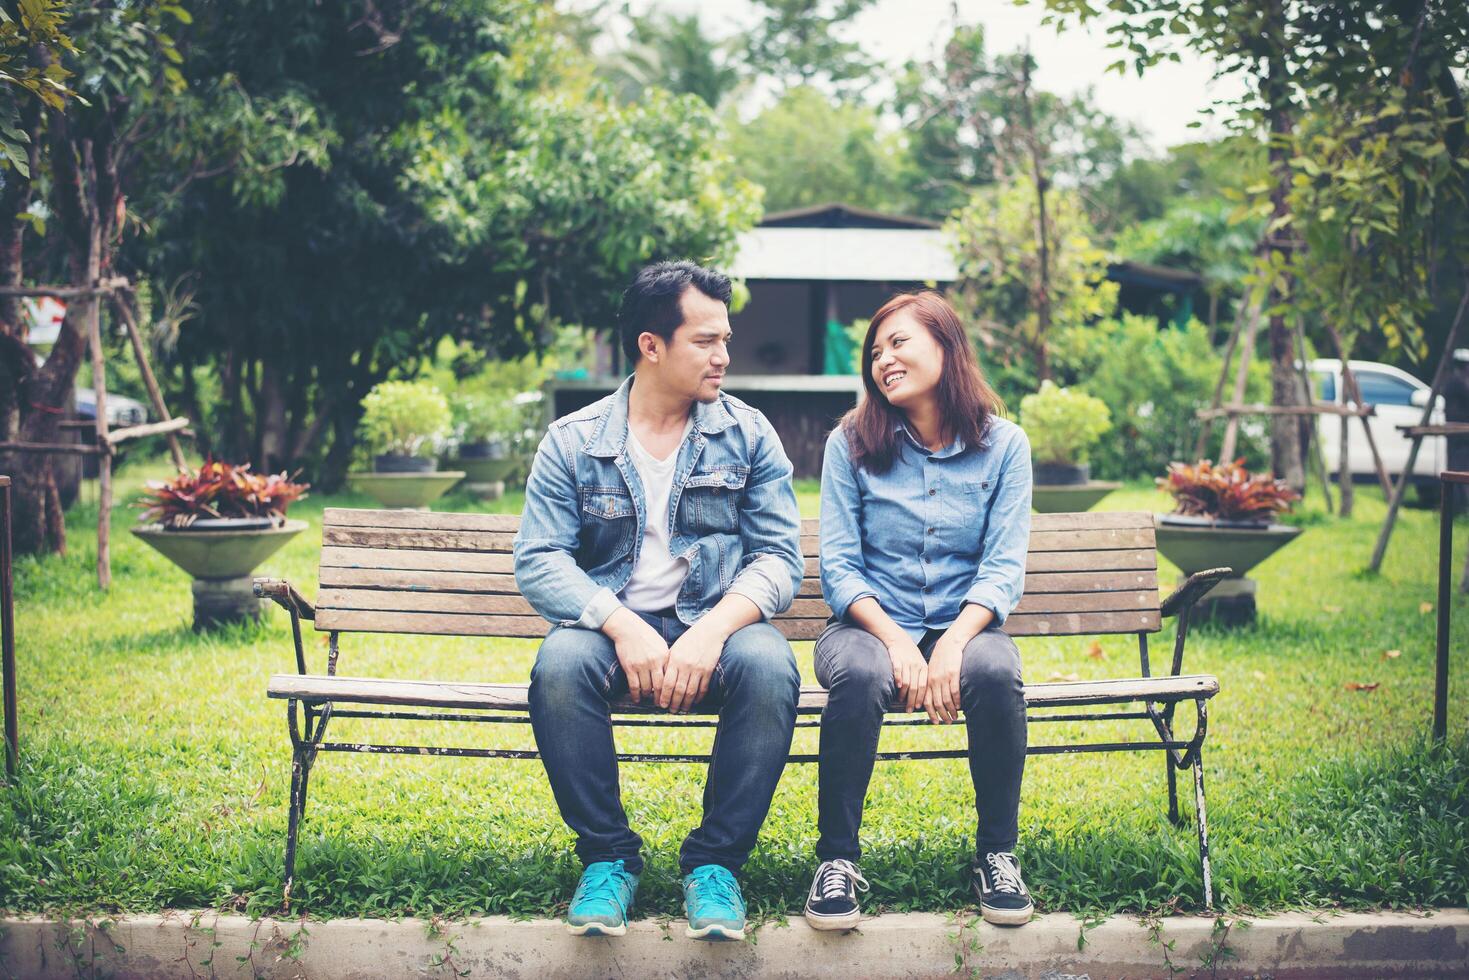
x,y
1399,398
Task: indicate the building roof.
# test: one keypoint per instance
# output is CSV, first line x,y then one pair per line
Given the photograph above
x,y
836,215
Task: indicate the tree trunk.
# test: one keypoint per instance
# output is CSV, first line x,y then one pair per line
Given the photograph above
x,y
1285,431
271,420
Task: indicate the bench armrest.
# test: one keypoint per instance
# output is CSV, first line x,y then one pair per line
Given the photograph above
x,y
1191,591
284,594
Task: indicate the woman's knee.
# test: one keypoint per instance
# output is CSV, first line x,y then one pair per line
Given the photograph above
x,y
991,668
851,662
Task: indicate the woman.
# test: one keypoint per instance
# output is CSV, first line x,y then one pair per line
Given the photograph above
x,y
925,521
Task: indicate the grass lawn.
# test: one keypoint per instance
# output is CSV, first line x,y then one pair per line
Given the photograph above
x,y
155,771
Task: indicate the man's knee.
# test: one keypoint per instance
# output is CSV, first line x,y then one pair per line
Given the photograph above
x,y
991,668
758,656
572,659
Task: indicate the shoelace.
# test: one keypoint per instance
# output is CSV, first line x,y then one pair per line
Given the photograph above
x,y
835,878
1006,871
714,884
605,883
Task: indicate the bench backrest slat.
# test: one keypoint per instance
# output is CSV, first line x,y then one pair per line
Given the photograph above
x,y
393,571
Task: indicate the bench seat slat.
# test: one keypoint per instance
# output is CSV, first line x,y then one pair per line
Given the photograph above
x,y
512,697
422,519
511,625
1089,520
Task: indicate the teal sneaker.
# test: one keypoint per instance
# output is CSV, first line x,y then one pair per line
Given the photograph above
x,y
603,896
713,903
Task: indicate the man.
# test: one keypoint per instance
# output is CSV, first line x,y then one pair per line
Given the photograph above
x,y
660,535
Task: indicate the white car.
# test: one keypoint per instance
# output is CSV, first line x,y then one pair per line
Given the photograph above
x,y
1400,399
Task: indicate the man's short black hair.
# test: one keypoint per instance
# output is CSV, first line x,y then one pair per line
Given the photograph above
x,y
651,303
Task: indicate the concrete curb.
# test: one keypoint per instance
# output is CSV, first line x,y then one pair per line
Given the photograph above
x,y
180,944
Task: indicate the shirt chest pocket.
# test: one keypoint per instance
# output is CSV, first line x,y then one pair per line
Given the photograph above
x,y
966,511
608,520
710,500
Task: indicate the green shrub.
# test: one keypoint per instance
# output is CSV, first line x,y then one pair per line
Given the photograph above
x,y
404,417
1063,423
1153,380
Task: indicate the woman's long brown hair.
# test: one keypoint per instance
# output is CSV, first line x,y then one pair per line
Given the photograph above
x,y
966,401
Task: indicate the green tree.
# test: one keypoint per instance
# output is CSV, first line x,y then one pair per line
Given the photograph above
x,y
1001,275
440,170
799,42
1296,56
122,61
808,149
672,52
966,114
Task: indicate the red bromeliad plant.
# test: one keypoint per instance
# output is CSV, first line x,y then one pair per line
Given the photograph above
x,y
220,490
1226,492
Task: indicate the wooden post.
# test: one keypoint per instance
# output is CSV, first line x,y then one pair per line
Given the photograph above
x,y
1241,376
7,637
1352,390
1203,441
1439,376
1314,437
104,460
124,310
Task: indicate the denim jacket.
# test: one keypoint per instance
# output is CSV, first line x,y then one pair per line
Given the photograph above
x,y
936,531
732,510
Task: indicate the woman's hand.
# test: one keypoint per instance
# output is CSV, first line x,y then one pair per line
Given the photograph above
x,y
941,699
910,671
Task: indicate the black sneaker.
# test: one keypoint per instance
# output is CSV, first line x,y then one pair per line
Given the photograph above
x,y
832,903
1003,898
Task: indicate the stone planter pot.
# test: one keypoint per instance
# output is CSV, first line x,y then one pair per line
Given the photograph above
x,y
405,490
486,466
222,557
401,463
1069,498
1197,543
1060,474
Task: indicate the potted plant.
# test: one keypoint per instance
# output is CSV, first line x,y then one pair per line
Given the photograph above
x,y
484,428
401,423
1063,424
1225,516
218,524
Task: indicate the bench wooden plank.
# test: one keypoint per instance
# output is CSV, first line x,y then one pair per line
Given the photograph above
x,y
417,539
427,520
512,697
447,561
1047,583
1120,519
793,628
482,604
1131,559
423,581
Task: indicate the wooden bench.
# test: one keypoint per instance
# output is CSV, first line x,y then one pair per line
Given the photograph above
x,y
392,571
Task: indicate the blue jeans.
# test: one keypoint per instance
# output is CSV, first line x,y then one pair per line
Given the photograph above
x,y
755,684
857,673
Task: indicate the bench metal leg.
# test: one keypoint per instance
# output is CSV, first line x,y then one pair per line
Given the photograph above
x,y
1172,788
299,768
1202,819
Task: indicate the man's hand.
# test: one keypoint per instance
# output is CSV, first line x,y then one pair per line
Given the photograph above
x,y
640,650
941,700
910,671
691,662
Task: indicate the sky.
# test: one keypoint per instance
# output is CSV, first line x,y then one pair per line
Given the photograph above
x,y
1161,104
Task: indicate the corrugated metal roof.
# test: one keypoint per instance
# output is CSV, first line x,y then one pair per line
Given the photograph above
x,y
845,254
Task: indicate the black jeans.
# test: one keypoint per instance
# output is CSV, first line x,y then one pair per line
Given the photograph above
x,y
755,684
854,667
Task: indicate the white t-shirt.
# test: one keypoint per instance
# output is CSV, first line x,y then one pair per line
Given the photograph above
x,y
658,575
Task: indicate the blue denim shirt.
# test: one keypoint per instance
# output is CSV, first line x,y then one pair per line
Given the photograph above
x,y
936,531
732,512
